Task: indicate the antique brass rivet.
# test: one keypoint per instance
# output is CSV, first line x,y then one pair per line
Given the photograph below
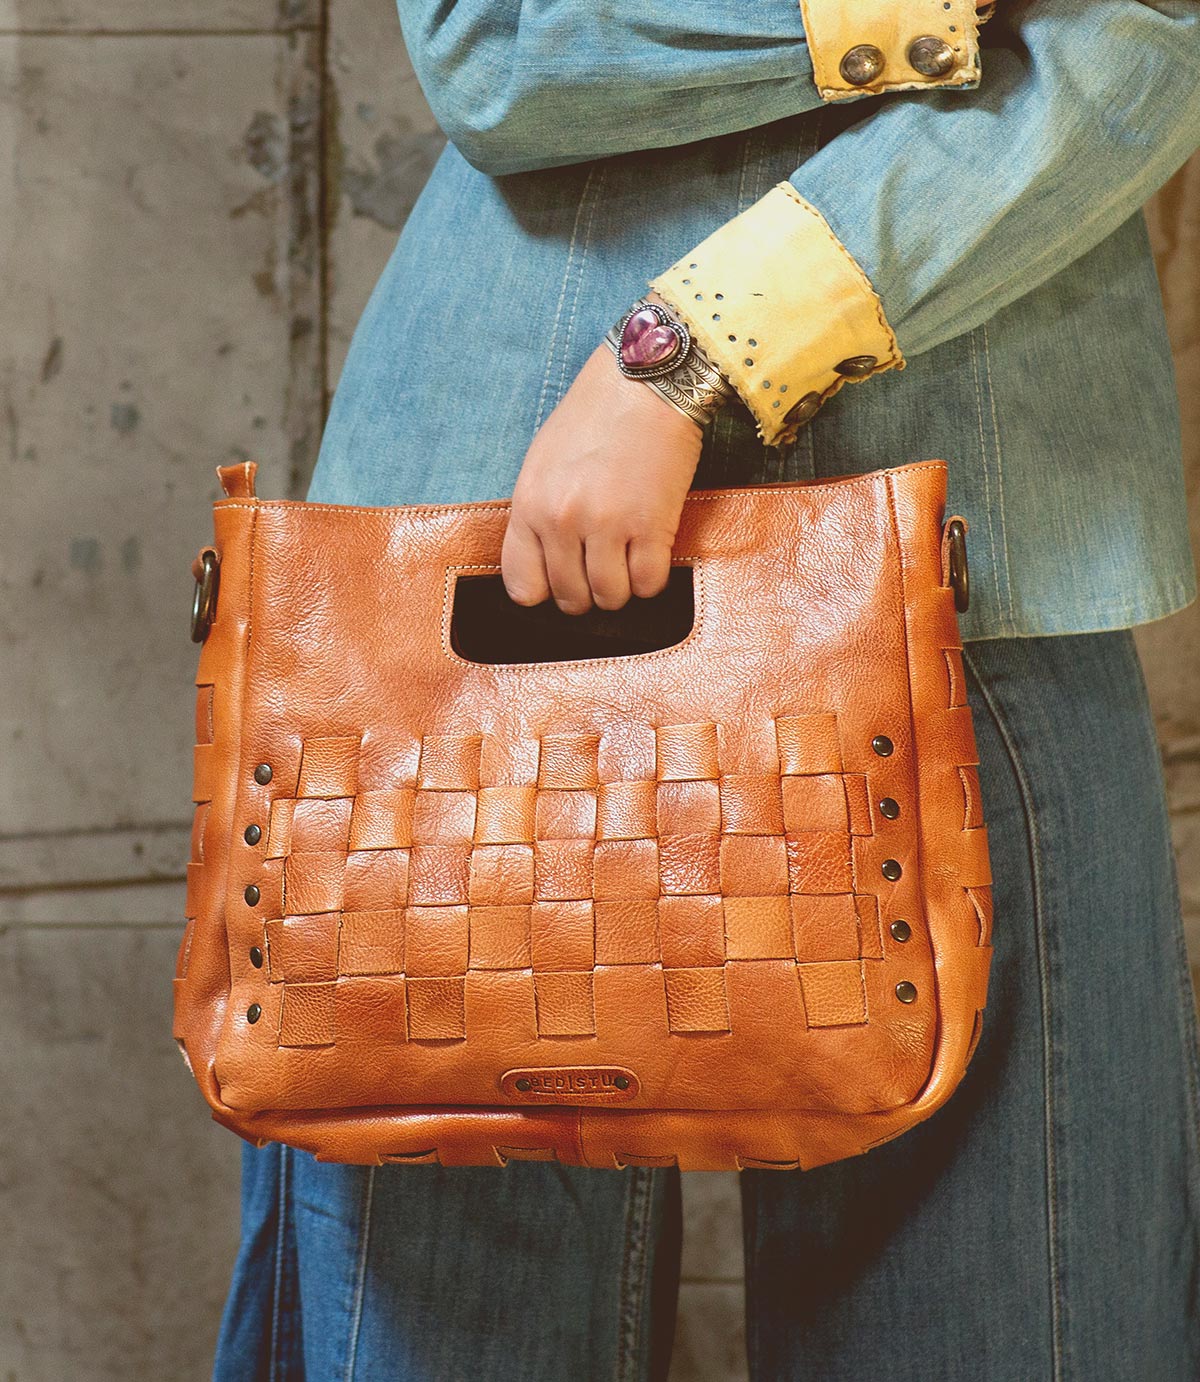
x,y
262,774
253,1013
524,1085
889,808
931,56
891,870
882,745
252,895
253,834
256,957
905,991
900,930
861,64
621,1081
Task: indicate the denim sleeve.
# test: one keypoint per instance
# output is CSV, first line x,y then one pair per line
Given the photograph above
x,y
955,204
524,84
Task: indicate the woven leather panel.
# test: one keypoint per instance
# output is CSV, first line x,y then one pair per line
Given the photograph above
x,y
701,900
554,876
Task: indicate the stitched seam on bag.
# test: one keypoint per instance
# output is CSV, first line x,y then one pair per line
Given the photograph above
x,y
699,607
1039,912
901,600
384,511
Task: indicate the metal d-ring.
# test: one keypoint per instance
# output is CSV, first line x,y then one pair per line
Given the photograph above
x,y
204,598
960,579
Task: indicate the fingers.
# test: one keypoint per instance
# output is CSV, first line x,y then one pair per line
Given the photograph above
x,y
649,565
577,572
607,570
522,565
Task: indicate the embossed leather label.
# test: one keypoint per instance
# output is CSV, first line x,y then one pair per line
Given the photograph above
x,y
570,1084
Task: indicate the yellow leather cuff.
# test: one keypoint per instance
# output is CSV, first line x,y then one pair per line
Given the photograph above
x,y
781,307
862,47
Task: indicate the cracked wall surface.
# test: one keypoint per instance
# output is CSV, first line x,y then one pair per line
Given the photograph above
x,y
195,203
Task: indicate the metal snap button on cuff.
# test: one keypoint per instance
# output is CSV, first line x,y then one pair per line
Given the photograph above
x,y
804,410
931,56
861,64
857,366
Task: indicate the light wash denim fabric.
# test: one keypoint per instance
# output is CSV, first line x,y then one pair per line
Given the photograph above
x,y
593,145
1044,1224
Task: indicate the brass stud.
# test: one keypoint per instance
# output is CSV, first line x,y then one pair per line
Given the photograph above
x,y
905,991
253,1013
262,774
900,929
882,745
621,1081
252,894
889,808
524,1085
861,64
256,957
857,366
931,56
804,410
891,870
253,834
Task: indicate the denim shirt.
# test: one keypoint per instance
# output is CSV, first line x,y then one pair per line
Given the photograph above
x,y
592,144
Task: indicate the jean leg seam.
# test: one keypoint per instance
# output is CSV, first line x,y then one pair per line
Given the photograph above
x,y
277,1294
987,366
360,1276
983,465
631,1304
1039,911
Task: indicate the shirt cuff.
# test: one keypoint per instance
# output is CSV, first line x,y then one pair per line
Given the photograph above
x,y
781,307
862,47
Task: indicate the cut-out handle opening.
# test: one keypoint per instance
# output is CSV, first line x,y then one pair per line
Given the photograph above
x,y
488,626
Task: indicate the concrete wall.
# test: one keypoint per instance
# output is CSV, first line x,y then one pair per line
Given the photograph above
x,y
194,202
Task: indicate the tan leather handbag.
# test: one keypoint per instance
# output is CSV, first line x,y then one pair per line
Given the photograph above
x,y
722,903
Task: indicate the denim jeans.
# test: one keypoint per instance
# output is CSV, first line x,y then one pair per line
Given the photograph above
x,y
1043,1224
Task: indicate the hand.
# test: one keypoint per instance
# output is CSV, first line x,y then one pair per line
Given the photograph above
x,y
599,496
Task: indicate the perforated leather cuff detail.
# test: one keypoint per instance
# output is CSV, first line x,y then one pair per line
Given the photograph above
x,y
783,309
863,47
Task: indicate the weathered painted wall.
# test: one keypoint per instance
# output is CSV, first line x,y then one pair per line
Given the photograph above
x,y
194,202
